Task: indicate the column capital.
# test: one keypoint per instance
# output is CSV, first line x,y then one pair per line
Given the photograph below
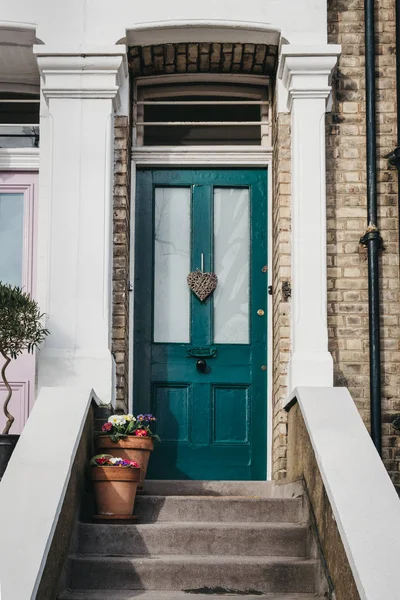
x,y
306,71
87,72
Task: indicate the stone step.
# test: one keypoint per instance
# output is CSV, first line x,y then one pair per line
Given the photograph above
x,y
261,489
156,595
218,508
251,575
252,539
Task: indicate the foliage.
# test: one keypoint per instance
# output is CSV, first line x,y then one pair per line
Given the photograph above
x,y
20,322
119,426
107,460
20,329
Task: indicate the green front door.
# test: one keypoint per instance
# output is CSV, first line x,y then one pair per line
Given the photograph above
x,y
200,366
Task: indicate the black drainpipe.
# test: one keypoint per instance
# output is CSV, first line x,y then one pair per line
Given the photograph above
x,y
372,238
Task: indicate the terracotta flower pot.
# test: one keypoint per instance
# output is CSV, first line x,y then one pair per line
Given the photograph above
x,y
115,489
130,447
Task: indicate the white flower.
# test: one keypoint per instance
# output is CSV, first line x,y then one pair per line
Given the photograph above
x,y
130,417
114,419
114,460
118,420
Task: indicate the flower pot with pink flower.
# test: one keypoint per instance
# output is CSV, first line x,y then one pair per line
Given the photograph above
x,y
115,482
130,438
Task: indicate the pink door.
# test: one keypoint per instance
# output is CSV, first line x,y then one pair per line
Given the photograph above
x,y
17,251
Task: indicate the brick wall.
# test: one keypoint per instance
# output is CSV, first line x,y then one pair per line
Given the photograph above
x,y
121,231
346,205
281,272
205,57
347,221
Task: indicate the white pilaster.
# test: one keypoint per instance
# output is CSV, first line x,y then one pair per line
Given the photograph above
x,y
306,74
79,91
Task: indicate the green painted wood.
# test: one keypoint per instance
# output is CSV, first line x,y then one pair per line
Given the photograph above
x,y
202,233
213,424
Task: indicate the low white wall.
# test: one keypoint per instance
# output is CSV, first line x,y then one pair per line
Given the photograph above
x,y
364,502
34,485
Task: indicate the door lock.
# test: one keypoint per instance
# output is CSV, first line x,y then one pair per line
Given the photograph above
x,y
201,365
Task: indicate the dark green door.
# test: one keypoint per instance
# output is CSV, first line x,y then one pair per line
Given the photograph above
x,y
200,366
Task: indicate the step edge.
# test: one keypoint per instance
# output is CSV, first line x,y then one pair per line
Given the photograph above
x,y
71,594
221,498
188,558
200,524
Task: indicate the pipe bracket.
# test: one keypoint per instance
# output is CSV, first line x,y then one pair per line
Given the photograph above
x,y
371,234
394,157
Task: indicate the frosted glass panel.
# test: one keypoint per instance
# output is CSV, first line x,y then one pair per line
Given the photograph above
x,y
231,264
11,238
171,265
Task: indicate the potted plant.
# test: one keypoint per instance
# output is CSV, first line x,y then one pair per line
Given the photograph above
x,y
129,437
115,482
21,329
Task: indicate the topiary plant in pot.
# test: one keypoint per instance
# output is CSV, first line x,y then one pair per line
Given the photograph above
x,y
21,329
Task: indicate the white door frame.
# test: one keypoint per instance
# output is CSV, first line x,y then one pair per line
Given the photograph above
x,y
210,157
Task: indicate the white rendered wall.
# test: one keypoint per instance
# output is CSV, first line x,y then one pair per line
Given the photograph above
x,y
99,22
74,271
33,488
305,72
79,94
364,502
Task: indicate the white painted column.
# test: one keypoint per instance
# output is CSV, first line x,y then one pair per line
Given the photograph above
x,y
74,279
306,73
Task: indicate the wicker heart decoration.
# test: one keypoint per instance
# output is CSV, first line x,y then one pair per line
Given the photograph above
x,y
202,284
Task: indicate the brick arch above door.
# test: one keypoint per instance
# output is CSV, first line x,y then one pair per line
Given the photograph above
x,y
203,57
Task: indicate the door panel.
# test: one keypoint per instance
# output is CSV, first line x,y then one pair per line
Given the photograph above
x,y
231,426
17,228
213,421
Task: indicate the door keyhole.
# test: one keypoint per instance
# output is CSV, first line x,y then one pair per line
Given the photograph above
x,y
201,365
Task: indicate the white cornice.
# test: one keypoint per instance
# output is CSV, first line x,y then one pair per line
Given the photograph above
x,y
306,71
81,50
17,34
94,93
19,159
90,73
199,30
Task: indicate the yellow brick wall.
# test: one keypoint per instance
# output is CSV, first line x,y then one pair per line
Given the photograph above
x,y
121,237
347,221
280,263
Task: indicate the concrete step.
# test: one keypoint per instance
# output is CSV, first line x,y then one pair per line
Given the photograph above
x,y
218,508
251,575
261,489
156,595
254,539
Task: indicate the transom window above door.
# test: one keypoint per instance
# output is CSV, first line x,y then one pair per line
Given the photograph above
x,y
185,111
